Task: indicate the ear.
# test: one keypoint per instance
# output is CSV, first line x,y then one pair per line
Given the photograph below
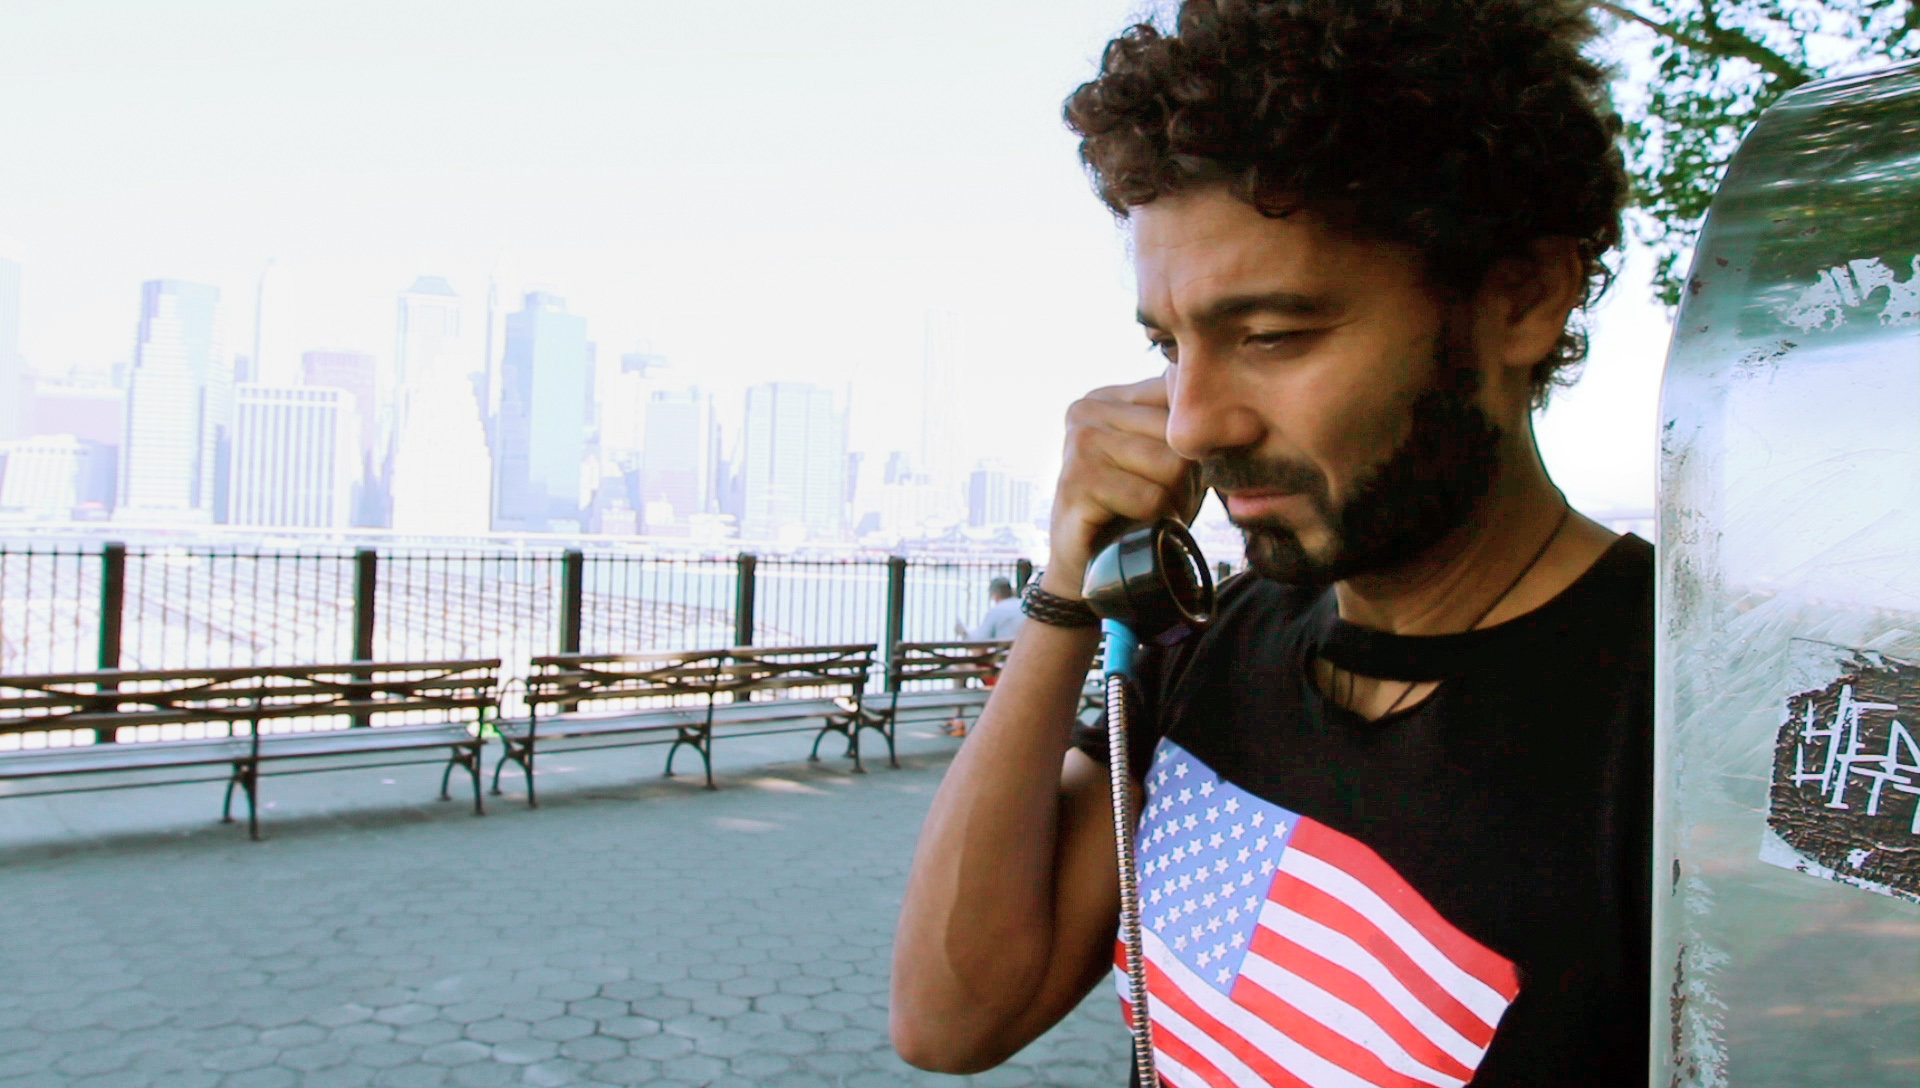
x,y
1525,302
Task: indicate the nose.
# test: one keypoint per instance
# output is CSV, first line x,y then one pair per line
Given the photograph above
x,y
1208,409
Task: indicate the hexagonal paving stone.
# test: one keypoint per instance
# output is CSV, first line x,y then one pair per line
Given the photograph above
x,y
594,1048
538,947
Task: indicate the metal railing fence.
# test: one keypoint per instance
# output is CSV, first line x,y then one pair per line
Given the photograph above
x,y
215,608
68,610
49,609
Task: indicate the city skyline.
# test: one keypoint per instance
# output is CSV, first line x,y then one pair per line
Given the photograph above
x,y
459,433
840,176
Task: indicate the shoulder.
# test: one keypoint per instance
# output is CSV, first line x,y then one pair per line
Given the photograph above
x,y
1613,600
1249,606
1249,610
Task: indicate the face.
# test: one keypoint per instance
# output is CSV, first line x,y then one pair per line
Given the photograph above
x,y
1328,394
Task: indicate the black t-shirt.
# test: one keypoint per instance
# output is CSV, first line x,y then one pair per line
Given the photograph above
x,y
1420,868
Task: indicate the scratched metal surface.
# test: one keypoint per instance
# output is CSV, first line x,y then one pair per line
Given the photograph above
x,y
1790,535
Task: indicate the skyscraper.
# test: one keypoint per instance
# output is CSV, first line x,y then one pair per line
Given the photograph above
x,y
793,462
293,457
179,406
540,433
48,476
996,498
13,371
442,476
626,396
677,461
354,373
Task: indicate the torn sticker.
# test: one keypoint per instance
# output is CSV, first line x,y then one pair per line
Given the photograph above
x,y
1845,798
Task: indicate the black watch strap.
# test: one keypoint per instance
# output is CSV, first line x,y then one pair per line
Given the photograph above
x,y
1054,610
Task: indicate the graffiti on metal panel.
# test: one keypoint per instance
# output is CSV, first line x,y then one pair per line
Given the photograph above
x,y
1851,286
1846,780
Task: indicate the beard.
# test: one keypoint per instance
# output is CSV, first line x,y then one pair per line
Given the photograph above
x,y
1399,508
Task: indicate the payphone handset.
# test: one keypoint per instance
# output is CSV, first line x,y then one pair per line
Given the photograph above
x,y
1150,580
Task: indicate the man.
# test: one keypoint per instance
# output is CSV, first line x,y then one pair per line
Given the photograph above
x,y
1396,798
1000,623
1002,619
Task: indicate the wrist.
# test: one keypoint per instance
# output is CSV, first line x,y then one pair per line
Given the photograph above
x,y
1066,581
1056,609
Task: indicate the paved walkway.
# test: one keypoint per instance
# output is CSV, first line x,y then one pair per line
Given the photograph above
x,y
630,931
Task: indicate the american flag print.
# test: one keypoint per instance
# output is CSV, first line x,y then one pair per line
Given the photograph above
x,y
1282,952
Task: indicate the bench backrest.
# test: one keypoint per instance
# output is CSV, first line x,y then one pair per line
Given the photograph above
x,y
682,676
946,661
111,699
666,676
800,671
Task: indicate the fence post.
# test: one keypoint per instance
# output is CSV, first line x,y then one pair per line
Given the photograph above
x,y
1022,574
113,611
113,601
743,599
572,593
896,612
366,581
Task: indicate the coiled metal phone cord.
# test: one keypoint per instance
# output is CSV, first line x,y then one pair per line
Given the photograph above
x,y
1121,780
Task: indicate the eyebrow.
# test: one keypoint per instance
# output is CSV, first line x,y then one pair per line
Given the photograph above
x,y
1286,303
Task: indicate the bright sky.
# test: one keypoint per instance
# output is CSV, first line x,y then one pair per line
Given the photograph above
x,y
756,189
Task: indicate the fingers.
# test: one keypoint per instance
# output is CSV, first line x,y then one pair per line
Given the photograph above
x,y
1117,467
1151,392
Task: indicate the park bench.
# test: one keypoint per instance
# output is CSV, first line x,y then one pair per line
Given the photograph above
x,y
142,724
952,679
684,698
949,679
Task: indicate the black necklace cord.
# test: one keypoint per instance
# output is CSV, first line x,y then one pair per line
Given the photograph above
x,y
1566,514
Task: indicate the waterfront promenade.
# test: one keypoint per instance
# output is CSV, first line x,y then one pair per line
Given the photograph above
x,y
629,931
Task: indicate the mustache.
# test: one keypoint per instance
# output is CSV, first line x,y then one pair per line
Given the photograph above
x,y
1240,470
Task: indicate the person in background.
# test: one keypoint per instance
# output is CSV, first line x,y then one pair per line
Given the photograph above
x,y
1003,616
1002,620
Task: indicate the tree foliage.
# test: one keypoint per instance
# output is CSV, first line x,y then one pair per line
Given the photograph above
x,y
1716,65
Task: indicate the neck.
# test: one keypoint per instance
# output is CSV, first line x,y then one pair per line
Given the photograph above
x,y
1452,585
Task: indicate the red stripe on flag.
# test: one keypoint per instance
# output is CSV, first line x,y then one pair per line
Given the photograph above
x,y
1290,891
1319,1038
1166,1042
1358,992
1162,989
1360,862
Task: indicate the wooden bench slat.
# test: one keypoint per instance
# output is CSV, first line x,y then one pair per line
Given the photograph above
x,y
566,694
106,701
89,758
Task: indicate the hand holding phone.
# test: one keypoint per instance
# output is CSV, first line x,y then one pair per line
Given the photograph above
x,y
1117,469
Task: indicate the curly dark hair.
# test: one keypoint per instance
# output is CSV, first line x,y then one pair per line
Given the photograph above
x,y
1466,128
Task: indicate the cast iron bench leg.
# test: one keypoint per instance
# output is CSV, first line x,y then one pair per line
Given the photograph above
x,y
226,806
246,775
520,752
701,741
814,756
474,766
886,730
506,753
467,757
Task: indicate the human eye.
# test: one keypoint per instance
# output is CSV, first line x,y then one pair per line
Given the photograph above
x,y
1278,342
1277,338
1166,346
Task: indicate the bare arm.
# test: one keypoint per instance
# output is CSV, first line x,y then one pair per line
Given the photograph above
x,y
1011,905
